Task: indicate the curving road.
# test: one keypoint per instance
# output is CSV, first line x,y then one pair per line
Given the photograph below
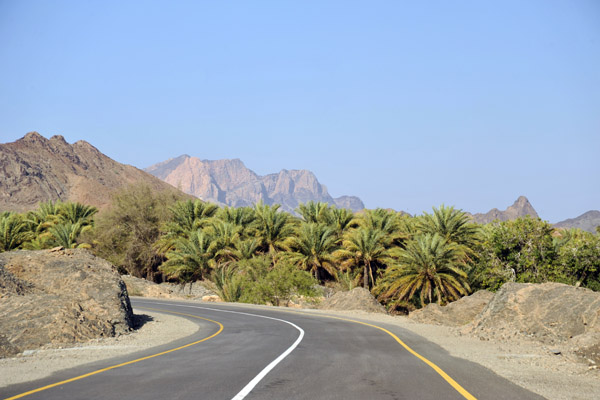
x,y
261,353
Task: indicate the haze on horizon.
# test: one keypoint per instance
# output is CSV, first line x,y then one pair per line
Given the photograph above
x,y
405,105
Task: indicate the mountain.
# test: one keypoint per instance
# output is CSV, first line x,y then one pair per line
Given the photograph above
x,y
520,208
231,183
34,169
587,221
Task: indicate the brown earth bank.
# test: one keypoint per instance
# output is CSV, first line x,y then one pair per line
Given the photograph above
x,y
358,299
57,297
187,291
564,318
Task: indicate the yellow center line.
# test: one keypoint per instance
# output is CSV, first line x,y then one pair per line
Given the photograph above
x,y
437,369
128,362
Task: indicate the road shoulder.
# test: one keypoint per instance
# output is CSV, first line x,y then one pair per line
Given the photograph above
x,y
157,330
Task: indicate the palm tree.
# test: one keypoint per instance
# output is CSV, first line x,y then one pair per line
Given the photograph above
x,y
311,249
365,248
453,225
186,217
65,234
430,268
190,257
272,227
316,212
77,213
386,221
190,215
245,249
14,231
241,216
225,235
44,217
227,283
341,219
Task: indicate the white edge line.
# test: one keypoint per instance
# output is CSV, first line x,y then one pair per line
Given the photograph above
x,y
252,384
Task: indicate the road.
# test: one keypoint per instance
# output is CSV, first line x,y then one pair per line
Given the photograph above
x,y
261,354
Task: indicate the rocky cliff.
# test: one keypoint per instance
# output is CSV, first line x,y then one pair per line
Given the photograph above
x,y
231,183
520,208
34,169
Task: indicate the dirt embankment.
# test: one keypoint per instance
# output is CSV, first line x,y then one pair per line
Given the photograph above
x,y
189,291
56,297
356,299
563,317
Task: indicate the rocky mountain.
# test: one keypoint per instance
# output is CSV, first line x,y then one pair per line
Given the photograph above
x,y
231,183
587,221
34,169
520,208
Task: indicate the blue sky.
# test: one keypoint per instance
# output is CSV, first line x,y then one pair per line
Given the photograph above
x,y
406,104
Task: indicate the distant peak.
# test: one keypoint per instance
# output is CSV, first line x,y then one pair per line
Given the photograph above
x,y
82,144
521,200
58,138
33,137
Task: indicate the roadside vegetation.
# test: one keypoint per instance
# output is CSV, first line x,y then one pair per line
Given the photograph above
x,y
261,254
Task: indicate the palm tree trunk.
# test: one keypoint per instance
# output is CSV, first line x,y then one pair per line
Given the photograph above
x,y
366,278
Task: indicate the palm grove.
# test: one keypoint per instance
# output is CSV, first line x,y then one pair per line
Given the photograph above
x,y
261,254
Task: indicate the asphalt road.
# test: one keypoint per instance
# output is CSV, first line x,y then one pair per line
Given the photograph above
x,y
315,357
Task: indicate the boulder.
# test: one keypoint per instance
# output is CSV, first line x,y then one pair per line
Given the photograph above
x,y
59,297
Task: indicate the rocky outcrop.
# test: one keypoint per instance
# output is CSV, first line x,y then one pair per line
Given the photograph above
x,y
359,299
230,182
34,169
457,313
520,208
588,221
59,297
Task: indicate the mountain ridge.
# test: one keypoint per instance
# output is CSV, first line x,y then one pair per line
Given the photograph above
x,y
588,221
34,169
230,182
520,208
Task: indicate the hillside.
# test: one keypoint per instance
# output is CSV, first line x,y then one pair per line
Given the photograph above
x,y
230,182
34,169
587,221
520,208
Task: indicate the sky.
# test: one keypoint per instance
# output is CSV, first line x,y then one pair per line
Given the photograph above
x,y
406,104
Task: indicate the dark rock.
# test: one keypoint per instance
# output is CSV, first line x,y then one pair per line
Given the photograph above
x,y
59,297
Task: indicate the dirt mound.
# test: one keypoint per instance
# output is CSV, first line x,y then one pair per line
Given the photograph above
x,y
144,288
566,317
355,299
59,297
457,313
550,312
